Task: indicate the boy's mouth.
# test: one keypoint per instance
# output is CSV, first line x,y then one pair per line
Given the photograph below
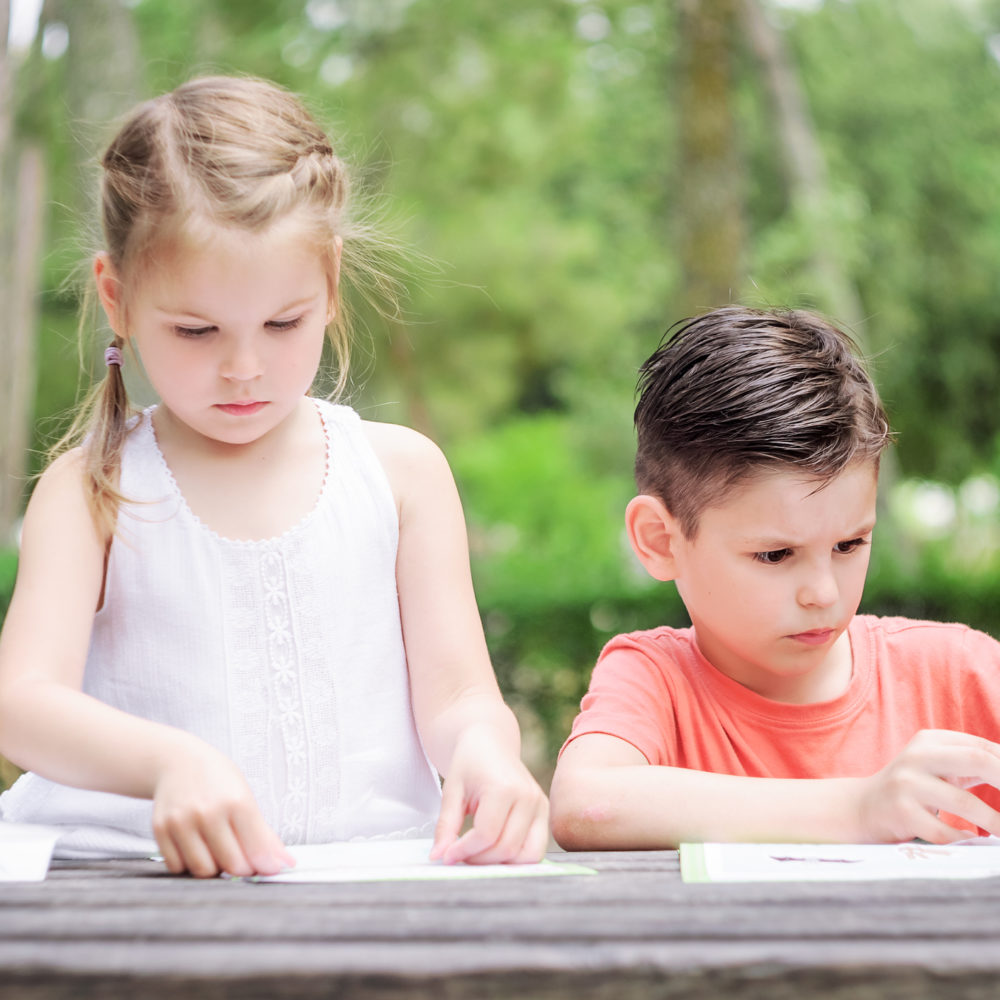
x,y
815,637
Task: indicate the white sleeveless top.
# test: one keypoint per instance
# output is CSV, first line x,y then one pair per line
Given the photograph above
x,y
285,654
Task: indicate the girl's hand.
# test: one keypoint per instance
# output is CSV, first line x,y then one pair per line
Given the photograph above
x,y
206,821
510,812
930,775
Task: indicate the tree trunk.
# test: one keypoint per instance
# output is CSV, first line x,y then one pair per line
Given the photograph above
x,y
19,333
711,223
22,202
5,74
805,169
809,197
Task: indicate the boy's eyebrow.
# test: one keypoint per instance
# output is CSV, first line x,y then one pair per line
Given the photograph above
x,y
770,543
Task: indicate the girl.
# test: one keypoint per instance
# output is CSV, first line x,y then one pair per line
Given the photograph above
x,y
266,622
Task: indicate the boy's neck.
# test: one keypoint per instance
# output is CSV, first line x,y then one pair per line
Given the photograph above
x,y
827,680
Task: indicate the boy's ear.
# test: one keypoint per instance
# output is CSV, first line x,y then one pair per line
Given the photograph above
x,y
653,532
109,291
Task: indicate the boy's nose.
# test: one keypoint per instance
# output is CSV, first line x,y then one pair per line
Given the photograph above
x,y
819,589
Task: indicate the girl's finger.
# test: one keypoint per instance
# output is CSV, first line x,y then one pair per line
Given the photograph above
x,y
450,818
171,854
536,843
259,846
510,839
226,850
489,822
194,852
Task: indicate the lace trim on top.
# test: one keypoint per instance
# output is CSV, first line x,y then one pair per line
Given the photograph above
x,y
178,494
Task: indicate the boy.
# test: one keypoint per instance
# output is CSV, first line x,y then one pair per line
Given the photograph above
x,y
778,715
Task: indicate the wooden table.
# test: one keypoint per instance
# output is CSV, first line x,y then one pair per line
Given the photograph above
x,y
124,929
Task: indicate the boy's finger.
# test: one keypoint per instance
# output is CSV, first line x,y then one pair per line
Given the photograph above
x,y
968,807
450,818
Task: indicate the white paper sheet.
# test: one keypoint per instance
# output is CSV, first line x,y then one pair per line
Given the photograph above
x,y
398,860
25,851
978,858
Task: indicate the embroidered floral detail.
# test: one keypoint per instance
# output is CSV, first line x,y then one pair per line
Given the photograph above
x,y
287,695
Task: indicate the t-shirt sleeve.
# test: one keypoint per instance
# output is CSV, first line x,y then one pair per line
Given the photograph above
x,y
980,693
970,703
629,697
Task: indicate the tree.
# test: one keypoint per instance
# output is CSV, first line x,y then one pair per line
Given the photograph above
x,y
711,205
22,201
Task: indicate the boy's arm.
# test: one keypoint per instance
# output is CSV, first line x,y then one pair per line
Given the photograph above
x,y
606,796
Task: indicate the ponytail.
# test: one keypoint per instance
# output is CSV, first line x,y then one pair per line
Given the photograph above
x,y
99,429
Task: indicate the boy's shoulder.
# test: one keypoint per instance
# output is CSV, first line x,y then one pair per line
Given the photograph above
x,y
662,641
914,631
892,640
649,658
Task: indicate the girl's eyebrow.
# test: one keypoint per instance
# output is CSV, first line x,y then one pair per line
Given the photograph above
x,y
194,313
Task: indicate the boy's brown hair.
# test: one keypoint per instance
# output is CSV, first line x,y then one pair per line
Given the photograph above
x,y
738,391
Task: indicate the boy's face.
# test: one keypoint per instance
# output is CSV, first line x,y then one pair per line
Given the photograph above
x,y
774,576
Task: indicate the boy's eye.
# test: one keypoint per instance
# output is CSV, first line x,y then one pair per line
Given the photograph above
x,y
846,547
284,324
773,557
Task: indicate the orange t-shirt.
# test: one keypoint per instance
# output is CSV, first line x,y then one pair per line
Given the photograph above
x,y
656,691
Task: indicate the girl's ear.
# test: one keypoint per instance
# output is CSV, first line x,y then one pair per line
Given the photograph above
x,y
653,533
109,291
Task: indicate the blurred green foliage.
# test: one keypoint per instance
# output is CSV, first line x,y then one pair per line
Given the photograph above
x,y
525,154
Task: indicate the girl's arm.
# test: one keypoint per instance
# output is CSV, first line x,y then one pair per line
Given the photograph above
x,y
606,796
470,735
204,818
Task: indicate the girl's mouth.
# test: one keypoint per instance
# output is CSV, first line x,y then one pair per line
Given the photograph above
x,y
241,409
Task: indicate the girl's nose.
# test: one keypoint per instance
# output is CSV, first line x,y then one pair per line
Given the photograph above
x,y
242,363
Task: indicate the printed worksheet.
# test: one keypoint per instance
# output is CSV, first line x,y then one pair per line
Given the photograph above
x,y
975,858
398,860
25,851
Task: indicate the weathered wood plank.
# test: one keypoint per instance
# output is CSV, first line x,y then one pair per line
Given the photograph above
x,y
127,929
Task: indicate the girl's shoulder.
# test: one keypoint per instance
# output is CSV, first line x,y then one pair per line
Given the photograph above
x,y
63,483
402,449
59,535
411,460
61,496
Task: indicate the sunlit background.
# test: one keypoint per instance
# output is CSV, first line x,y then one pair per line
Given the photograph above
x,y
566,180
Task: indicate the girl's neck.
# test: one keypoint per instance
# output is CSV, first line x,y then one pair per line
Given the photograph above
x,y
252,491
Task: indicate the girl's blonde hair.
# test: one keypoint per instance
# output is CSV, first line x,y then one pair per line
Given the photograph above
x,y
217,151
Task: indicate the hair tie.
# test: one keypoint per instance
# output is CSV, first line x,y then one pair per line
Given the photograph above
x,y
113,356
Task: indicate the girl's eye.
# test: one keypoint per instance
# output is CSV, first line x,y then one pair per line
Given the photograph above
x,y
193,331
773,557
284,324
844,548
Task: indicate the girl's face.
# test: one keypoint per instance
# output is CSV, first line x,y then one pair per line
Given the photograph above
x,y
230,332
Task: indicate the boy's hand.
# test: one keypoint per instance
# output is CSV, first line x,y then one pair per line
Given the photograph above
x,y
930,775
206,820
510,812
